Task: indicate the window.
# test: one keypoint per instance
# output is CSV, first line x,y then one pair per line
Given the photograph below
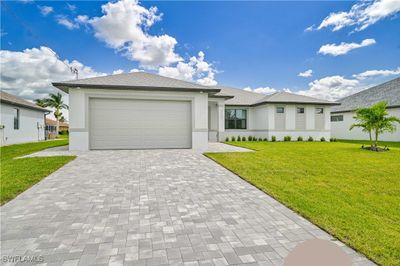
x,y
235,119
336,118
300,110
16,118
280,110
319,110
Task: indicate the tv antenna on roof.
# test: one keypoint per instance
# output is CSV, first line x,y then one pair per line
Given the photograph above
x,y
74,70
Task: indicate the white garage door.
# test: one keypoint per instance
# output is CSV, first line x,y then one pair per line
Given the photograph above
x,y
139,124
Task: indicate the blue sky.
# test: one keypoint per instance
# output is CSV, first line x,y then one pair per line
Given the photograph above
x,y
262,45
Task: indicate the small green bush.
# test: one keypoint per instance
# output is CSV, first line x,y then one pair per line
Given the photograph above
x,y
259,139
233,138
239,139
332,139
310,138
254,139
227,139
322,139
243,138
265,139
287,138
64,132
299,138
250,138
273,138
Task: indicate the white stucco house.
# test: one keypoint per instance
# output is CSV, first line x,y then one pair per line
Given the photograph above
x,y
342,115
146,111
20,120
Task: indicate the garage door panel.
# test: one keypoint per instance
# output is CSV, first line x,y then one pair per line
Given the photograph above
x,y
139,124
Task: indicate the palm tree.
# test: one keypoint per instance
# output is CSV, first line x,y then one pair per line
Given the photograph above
x,y
383,122
375,120
54,101
364,121
41,103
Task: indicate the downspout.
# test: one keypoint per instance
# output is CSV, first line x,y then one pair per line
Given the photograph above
x,y
45,133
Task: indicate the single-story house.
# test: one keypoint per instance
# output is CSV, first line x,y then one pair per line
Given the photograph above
x,y
51,128
147,111
20,121
342,115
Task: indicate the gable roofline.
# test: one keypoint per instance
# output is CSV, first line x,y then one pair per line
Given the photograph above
x,y
251,99
134,81
18,101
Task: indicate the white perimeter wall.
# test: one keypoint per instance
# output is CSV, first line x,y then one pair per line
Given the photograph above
x,y
28,125
261,122
341,130
79,108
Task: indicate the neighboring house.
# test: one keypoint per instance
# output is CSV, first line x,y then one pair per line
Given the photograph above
x,y
342,115
51,128
147,111
21,121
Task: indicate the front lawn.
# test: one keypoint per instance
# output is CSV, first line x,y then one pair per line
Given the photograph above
x,y
17,175
353,194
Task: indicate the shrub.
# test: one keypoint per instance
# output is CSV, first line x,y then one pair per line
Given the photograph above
x,y
233,138
310,138
63,132
227,139
250,138
331,140
239,139
273,138
265,139
287,138
299,138
254,139
322,139
259,139
243,138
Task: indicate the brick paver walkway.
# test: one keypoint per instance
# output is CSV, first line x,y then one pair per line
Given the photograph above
x,y
151,208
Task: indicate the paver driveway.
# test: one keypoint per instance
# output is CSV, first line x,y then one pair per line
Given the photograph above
x,y
151,207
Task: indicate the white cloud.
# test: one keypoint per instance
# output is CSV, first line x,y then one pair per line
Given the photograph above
x,y
117,71
343,48
332,88
306,74
70,7
66,22
196,69
82,19
361,15
124,27
29,73
45,10
133,70
376,73
263,90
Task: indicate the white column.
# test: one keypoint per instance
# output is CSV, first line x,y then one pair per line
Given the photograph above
x,y
290,117
310,117
221,120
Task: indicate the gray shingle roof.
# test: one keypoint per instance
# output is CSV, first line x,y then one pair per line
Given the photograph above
x,y
14,100
242,97
388,91
136,80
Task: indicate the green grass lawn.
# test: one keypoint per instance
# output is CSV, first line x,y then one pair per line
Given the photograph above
x,y
17,175
353,194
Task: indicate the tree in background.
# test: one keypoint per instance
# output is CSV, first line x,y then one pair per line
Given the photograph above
x,y
56,102
375,120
